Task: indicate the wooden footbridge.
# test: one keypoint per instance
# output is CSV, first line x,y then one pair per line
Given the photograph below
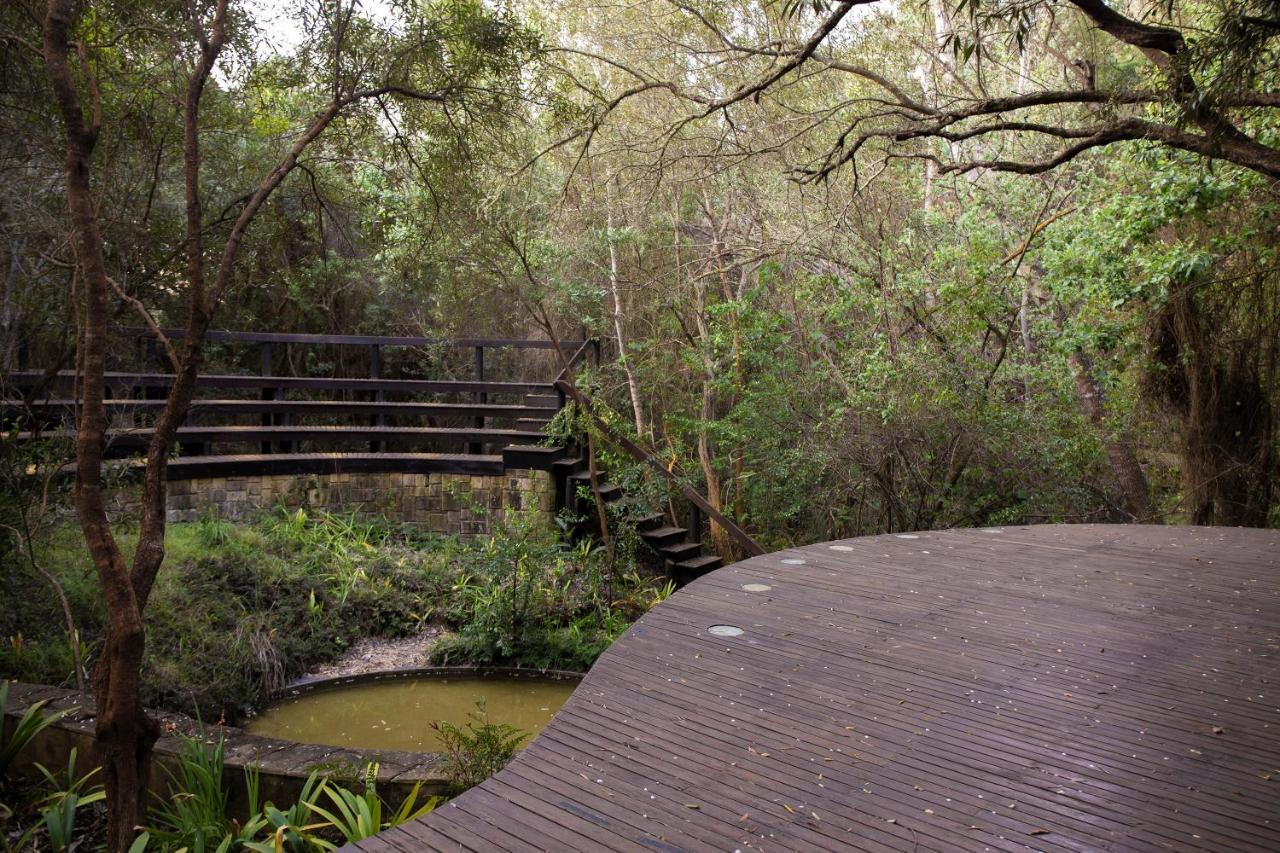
x,y
480,419
1071,688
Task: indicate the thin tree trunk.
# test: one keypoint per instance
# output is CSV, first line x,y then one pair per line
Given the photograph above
x,y
706,414
9,307
1119,448
619,324
124,734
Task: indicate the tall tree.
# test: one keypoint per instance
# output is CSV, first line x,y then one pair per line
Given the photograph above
x,y
455,56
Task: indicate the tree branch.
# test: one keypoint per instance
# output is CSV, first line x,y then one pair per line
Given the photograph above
x,y
152,325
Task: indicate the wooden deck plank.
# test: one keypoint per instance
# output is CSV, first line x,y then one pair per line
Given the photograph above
x,y
1051,688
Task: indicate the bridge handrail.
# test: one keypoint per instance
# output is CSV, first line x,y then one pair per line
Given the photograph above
x,y
228,336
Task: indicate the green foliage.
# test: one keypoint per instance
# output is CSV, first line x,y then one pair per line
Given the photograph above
x,y
29,725
241,609
526,595
477,750
67,794
211,531
292,828
194,816
358,816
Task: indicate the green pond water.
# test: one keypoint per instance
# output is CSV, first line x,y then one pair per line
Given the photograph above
x,y
398,713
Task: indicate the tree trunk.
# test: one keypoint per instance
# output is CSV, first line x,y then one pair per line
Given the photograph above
x,y
9,307
707,413
615,291
1119,448
124,733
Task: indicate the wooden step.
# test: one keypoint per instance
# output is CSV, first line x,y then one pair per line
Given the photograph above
x,y
583,479
568,464
682,551
608,491
661,536
649,522
688,570
531,456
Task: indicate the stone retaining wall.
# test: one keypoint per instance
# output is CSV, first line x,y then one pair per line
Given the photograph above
x,y
463,504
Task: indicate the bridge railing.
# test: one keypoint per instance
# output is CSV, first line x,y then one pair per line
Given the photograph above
x,y
404,413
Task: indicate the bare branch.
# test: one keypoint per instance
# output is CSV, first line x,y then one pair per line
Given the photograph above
x,y
818,36
154,327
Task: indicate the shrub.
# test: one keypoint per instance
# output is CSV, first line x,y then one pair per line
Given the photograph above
x,y
476,751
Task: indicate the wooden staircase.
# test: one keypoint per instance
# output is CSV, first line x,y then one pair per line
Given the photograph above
x,y
680,553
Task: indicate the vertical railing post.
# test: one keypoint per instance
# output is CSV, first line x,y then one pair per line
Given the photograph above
x,y
134,390
694,522
480,397
267,393
150,361
375,372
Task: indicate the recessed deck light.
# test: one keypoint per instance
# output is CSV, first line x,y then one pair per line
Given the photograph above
x,y
725,631
756,587
793,561
840,547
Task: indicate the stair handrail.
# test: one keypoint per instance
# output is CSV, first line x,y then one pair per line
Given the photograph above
x,y
638,453
573,359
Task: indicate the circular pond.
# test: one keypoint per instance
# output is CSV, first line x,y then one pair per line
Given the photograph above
x,y
398,712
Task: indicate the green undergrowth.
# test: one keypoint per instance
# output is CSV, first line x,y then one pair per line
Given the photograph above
x,y
241,609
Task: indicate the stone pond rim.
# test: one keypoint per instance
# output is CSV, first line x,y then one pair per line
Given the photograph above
x,y
283,764
306,685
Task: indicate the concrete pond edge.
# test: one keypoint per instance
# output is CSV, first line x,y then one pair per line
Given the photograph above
x,y
283,765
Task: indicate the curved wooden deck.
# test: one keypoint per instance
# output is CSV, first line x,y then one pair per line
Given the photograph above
x,y
1057,687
